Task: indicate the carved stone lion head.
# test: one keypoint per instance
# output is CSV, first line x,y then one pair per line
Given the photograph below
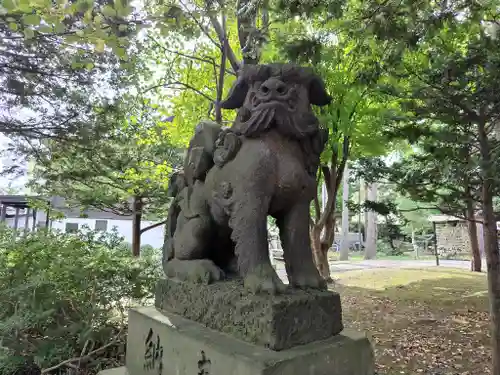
x,y
277,96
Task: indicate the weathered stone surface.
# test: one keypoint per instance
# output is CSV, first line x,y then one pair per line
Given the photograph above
x,y
263,165
293,318
114,371
185,347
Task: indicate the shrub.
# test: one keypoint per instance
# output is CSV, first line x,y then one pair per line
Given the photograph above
x,y
387,249
61,293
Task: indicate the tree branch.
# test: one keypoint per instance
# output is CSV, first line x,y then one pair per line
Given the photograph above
x,y
222,36
204,59
317,209
153,226
200,25
185,85
343,162
88,356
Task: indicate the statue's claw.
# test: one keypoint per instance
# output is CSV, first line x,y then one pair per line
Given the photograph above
x,y
263,278
201,271
306,280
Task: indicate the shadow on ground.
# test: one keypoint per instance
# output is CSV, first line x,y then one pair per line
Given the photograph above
x,y
424,321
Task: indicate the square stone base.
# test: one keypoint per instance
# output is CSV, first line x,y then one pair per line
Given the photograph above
x,y
167,344
114,371
296,317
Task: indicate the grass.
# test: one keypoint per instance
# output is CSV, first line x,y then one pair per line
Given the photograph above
x,y
421,321
356,257
359,257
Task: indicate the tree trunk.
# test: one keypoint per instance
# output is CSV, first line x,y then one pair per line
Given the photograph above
x,y
436,252
471,217
222,71
371,225
136,226
320,253
474,245
344,241
324,197
493,265
246,23
414,242
360,228
323,223
490,244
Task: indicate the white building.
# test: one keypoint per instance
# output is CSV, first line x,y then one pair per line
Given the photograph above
x,y
16,212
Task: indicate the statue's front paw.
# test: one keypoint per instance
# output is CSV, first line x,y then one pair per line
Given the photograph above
x,y
308,279
201,271
263,278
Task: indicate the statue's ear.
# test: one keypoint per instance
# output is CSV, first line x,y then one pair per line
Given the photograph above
x,y
317,92
173,184
237,94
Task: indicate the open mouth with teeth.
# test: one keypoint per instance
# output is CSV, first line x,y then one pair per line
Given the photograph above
x,y
280,105
267,112
285,100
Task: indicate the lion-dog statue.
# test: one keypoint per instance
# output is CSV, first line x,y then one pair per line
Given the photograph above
x,y
233,178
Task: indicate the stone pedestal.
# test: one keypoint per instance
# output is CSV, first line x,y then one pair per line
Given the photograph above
x,y
219,329
162,343
278,322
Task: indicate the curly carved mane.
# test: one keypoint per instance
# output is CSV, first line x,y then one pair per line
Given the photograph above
x,y
290,113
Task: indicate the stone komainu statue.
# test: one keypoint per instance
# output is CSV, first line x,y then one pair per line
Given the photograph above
x,y
233,178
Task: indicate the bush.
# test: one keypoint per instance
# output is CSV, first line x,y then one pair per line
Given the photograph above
x,y
62,294
386,248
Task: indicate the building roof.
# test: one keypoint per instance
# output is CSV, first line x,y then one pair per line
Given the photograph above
x,y
59,204
443,218
19,201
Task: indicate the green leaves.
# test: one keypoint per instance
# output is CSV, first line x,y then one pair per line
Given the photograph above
x,y
120,52
136,158
442,81
69,287
59,27
108,11
99,45
90,23
10,5
31,19
29,33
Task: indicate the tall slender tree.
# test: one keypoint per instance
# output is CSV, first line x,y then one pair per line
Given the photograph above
x,y
443,62
125,172
356,116
57,61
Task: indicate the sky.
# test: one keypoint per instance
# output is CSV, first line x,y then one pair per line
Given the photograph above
x,y
5,161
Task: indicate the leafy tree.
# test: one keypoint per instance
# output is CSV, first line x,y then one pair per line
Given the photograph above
x,y
125,172
444,59
442,172
415,214
57,61
191,85
65,296
10,189
200,47
412,217
355,118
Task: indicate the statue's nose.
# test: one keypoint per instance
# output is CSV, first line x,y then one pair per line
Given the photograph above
x,y
273,86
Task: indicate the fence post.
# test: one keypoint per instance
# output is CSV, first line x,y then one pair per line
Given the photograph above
x,y
435,243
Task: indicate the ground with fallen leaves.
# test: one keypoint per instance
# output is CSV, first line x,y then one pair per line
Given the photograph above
x,y
421,321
